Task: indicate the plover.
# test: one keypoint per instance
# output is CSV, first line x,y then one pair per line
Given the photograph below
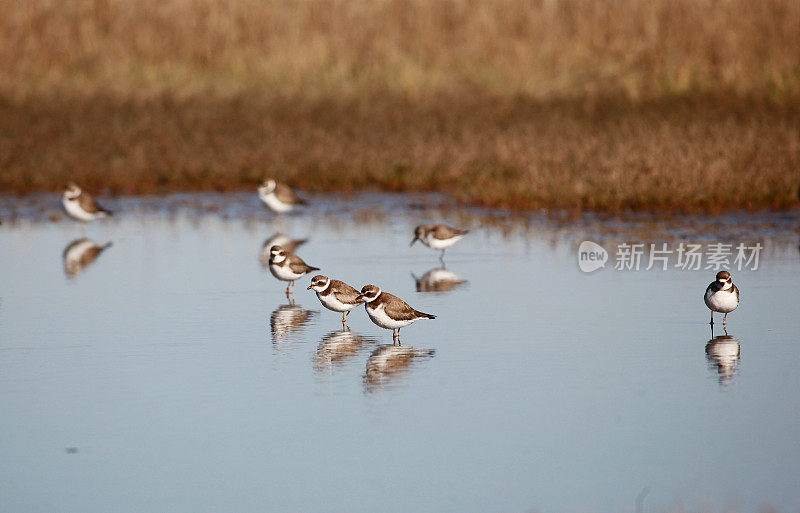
x,y
80,253
335,295
81,205
278,197
287,266
437,236
438,280
388,311
281,240
722,296
389,362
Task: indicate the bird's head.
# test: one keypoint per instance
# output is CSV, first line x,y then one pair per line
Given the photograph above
x,y
369,293
277,254
72,191
319,283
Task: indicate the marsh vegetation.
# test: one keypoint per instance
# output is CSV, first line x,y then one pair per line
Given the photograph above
x,y
688,105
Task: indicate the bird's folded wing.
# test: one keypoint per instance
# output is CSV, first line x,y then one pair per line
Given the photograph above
x,y
88,203
297,265
442,232
286,195
398,309
344,292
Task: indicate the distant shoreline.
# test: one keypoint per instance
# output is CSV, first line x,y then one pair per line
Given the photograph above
x,y
773,226
706,154
619,105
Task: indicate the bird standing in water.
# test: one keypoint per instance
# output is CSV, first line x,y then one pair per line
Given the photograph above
x,y
722,296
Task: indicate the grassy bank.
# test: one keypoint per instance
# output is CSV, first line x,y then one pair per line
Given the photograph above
x,y
624,104
544,49
705,154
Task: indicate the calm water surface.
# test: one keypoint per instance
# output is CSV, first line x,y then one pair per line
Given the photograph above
x,y
168,372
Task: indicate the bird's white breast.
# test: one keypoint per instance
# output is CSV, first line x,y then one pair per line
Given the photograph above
x,y
331,303
380,318
272,201
283,272
74,209
434,243
722,301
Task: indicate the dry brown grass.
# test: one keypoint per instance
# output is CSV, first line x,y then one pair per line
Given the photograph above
x,y
608,155
544,49
671,104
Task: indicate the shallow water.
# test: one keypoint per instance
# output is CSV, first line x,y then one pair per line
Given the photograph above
x,y
170,373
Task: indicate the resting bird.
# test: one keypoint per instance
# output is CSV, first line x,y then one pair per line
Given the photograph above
x,y
335,295
278,197
287,267
722,296
437,236
388,311
81,205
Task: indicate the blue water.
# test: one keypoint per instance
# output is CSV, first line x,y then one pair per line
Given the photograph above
x,y
172,373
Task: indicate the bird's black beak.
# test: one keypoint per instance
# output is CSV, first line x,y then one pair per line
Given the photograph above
x,y
360,298
413,241
309,287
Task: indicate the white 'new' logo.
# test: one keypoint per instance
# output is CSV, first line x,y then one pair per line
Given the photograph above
x,y
591,256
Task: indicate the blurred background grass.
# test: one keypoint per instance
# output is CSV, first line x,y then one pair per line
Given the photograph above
x,y
669,104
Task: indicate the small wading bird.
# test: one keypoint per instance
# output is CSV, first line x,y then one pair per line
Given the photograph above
x,y
287,267
281,240
722,296
388,311
81,205
437,236
335,295
278,197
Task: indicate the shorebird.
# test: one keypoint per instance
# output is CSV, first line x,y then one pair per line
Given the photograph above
x,y
335,295
281,240
287,267
81,205
278,197
722,296
388,311
437,236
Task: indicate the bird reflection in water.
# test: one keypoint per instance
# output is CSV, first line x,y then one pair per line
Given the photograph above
x,y
287,323
279,239
722,353
79,254
438,279
338,348
388,365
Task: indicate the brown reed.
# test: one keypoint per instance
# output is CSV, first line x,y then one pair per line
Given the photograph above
x,y
623,104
